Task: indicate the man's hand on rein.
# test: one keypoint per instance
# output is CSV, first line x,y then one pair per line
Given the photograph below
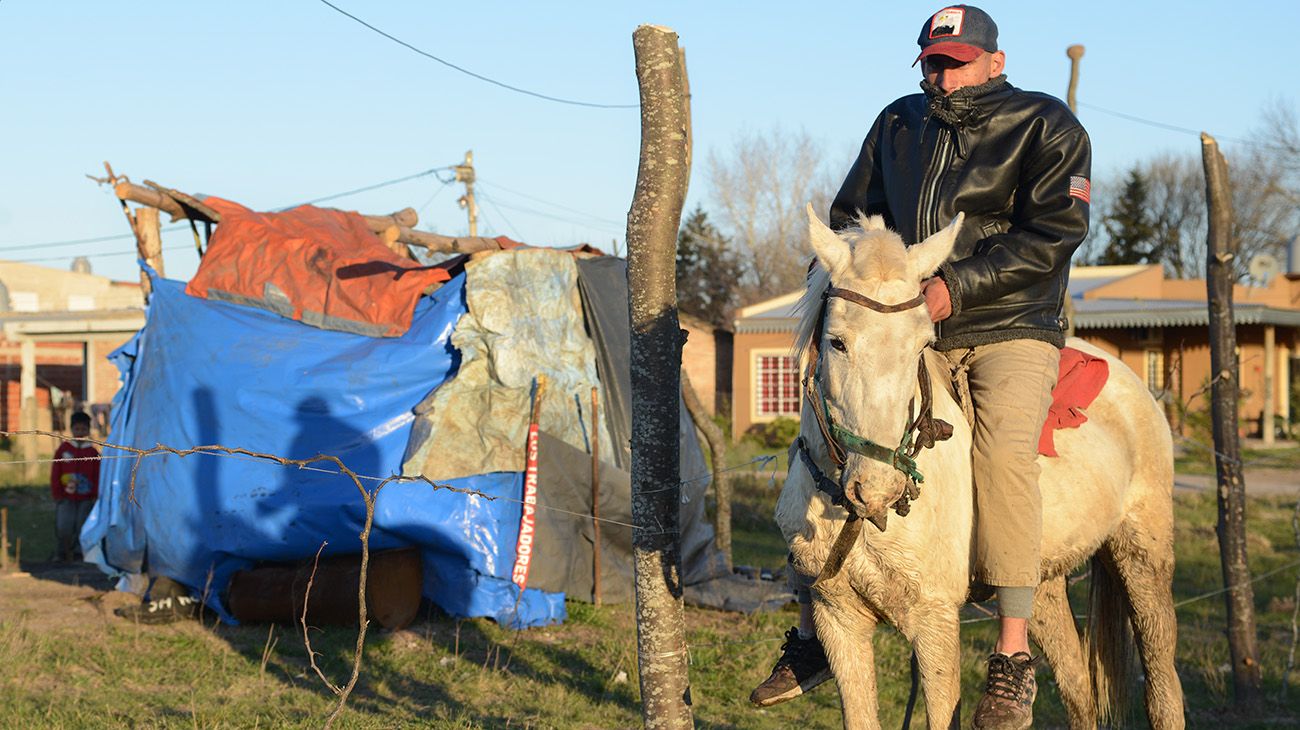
x,y
937,298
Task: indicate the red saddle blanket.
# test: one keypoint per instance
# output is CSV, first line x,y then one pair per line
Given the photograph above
x,y
1081,380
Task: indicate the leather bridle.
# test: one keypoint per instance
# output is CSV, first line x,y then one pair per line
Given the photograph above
x,y
923,431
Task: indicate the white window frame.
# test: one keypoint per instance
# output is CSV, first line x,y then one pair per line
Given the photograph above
x,y
756,415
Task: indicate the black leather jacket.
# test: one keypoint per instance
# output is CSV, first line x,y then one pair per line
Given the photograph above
x,y
1004,157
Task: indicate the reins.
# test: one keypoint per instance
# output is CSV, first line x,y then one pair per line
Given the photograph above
x,y
923,430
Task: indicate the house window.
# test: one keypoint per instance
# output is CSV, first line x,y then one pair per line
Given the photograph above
x,y
1155,370
776,385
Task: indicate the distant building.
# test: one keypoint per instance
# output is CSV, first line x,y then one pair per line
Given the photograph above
x,y
1160,328
1156,326
706,358
57,328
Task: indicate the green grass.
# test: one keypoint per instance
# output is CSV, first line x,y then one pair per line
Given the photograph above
x,y
70,663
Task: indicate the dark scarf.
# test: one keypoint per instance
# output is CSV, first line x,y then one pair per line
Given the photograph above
x,y
961,106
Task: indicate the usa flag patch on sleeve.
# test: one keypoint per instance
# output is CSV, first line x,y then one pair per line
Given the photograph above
x,y
1080,188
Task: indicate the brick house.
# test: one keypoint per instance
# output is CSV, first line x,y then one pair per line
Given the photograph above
x,y
57,328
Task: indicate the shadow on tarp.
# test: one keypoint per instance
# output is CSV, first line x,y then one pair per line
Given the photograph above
x,y
204,372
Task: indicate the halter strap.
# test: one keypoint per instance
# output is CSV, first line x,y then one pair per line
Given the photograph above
x,y
872,304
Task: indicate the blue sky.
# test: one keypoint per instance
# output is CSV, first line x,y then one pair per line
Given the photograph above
x,y
274,103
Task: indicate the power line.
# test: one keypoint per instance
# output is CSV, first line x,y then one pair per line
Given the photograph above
x,y
433,171
555,205
556,217
81,241
103,255
436,193
1176,128
497,211
480,77
181,226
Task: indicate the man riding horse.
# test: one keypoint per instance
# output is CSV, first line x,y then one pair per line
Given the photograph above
x,y
1017,164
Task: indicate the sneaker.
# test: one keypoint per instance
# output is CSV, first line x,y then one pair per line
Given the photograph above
x,y
801,667
1008,701
162,611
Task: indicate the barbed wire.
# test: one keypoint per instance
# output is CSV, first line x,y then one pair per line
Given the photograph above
x,y
305,465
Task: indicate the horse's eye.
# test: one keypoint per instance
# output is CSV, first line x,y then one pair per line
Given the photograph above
x,y
838,344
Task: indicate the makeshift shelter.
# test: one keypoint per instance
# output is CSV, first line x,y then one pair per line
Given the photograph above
x,y
302,334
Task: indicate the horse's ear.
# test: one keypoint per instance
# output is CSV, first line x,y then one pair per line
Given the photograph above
x,y
927,255
874,223
831,250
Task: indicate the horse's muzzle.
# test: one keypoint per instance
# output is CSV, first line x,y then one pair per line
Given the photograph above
x,y
879,518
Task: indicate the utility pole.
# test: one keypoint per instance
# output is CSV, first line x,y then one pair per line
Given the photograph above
x,y
465,174
1075,53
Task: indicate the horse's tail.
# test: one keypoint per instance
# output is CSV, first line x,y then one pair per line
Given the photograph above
x,y
1110,642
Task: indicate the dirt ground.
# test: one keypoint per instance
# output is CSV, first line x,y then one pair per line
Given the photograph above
x,y
1259,482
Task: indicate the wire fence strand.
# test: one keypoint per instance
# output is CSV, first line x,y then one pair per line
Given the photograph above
x,y
301,465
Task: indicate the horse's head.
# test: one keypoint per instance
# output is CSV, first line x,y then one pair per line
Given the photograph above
x,y
869,358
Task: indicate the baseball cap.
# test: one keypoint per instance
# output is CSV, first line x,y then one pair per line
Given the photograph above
x,y
962,32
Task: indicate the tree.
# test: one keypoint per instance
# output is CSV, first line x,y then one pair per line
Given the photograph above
x,y
708,270
655,361
759,189
1265,189
1128,224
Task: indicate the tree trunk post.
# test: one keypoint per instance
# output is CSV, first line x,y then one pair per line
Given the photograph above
x,y
656,361
1240,597
717,442
148,236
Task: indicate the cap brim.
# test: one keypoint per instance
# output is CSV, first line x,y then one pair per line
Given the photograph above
x,y
963,52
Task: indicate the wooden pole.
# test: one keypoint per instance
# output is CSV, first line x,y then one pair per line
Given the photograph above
x,y
656,361
717,443
148,236
1270,382
595,497
4,539
1240,597
27,406
1075,52
465,174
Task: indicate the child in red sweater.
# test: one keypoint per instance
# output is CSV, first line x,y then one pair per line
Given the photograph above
x,y
74,484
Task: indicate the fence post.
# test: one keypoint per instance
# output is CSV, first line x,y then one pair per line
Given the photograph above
x,y
656,361
1240,598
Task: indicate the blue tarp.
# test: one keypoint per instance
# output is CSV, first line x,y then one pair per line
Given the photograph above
x,y
204,372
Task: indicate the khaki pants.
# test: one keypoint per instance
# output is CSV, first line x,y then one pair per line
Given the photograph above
x,y
1011,389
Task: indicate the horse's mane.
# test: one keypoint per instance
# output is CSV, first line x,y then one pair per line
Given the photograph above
x,y
876,264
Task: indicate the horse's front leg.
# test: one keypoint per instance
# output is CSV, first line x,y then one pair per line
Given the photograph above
x,y
845,626
936,639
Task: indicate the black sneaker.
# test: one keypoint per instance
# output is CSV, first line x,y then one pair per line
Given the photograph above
x,y
801,667
162,611
1008,701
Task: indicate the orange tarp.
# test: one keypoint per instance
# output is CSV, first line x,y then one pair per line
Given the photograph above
x,y
317,265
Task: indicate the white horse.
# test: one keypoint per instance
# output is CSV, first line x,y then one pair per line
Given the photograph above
x,y
1108,495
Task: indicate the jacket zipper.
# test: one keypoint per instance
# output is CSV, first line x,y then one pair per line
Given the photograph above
x,y
927,216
